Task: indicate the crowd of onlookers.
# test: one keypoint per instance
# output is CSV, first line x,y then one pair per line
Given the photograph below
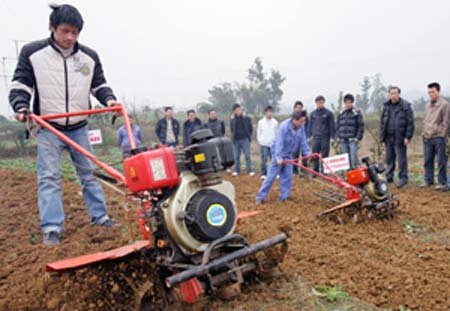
x,y
322,130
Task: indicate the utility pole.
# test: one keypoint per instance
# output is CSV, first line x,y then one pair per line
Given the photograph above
x,y
6,75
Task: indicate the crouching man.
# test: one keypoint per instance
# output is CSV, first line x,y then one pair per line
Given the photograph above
x,y
58,74
291,136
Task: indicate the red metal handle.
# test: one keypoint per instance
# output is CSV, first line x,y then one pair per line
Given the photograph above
x,y
116,108
351,191
42,121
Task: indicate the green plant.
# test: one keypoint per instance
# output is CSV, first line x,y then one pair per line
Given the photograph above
x,y
34,239
330,293
412,228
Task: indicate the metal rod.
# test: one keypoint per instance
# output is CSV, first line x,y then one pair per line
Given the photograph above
x,y
327,198
126,121
108,169
116,108
335,193
181,277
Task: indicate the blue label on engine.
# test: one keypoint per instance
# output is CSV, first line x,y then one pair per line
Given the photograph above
x,y
216,215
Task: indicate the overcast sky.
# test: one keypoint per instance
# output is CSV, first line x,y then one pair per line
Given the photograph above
x,y
172,52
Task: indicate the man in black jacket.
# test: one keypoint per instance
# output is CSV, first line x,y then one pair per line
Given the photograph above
x,y
350,130
397,130
191,125
321,130
168,129
215,125
58,74
241,134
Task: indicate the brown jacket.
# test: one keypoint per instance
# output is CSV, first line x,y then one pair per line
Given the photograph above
x,y
437,119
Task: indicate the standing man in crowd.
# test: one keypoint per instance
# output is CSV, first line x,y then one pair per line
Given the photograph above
x,y
66,72
321,130
191,125
265,134
168,129
397,130
214,124
123,139
241,134
435,130
298,106
290,136
350,130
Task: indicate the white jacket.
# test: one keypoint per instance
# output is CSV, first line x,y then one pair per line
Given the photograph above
x,y
58,84
266,131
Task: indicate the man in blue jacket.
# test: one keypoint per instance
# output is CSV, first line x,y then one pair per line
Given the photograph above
x,y
191,125
321,130
290,137
123,139
168,129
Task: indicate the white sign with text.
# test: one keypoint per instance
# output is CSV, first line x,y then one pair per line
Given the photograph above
x,y
336,163
95,137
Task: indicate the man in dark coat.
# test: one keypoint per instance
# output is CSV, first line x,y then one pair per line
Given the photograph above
x,y
191,125
241,134
350,130
168,129
321,130
214,124
397,130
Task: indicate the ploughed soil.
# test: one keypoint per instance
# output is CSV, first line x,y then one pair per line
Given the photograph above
x,y
403,261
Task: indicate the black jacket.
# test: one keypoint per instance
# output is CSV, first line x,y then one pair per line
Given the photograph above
x,y
404,121
189,128
246,130
161,130
350,124
321,124
216,126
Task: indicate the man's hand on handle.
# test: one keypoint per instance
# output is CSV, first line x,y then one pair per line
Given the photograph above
x,y
112,103
21,115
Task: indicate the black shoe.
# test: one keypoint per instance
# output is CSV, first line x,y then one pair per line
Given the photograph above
x,y
402,183
390,181
52,238
109,224
259,202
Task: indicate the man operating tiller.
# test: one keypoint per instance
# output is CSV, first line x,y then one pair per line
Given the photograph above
x,y
290,136
59,73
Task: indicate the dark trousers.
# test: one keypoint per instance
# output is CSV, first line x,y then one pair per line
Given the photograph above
x,y
242,145
396,152
296,155
320,145
435,147
265,155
